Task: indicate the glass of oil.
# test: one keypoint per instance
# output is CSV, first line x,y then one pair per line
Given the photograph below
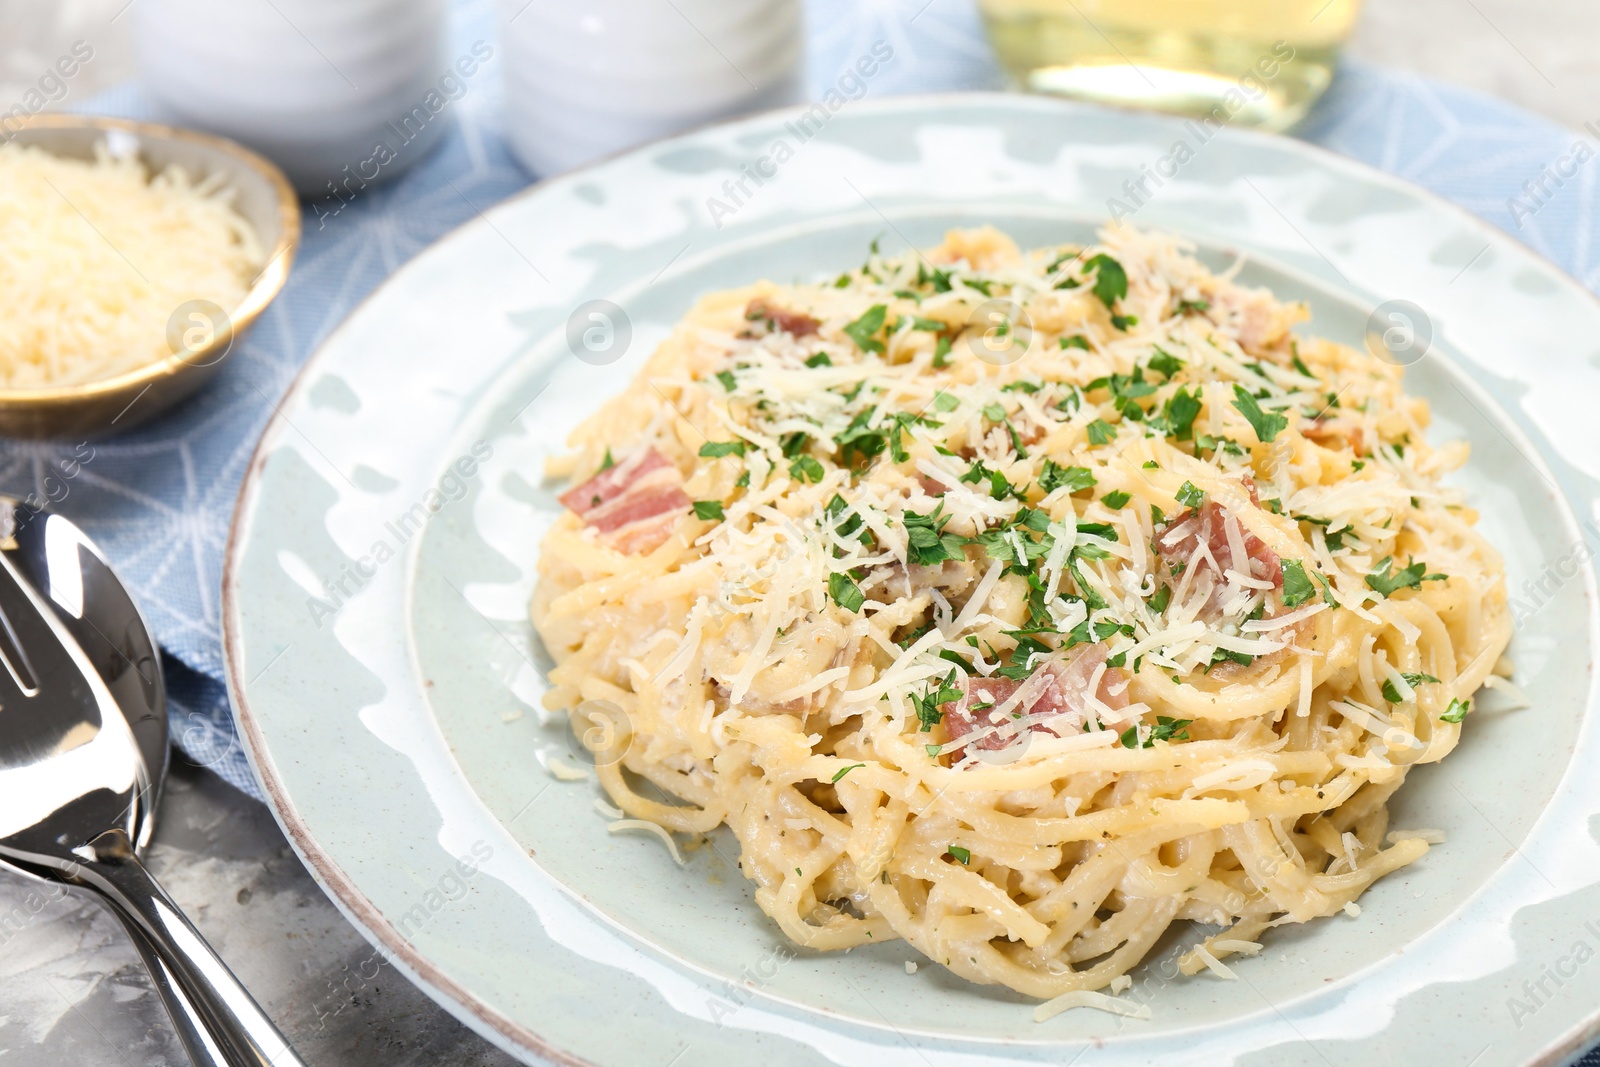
x,y
1259,63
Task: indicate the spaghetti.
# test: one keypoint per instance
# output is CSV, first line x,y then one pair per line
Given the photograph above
x,y
1020,605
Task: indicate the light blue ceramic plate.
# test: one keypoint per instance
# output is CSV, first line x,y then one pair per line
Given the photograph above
x,y
386,679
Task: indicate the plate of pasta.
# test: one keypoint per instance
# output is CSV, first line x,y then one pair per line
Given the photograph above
x,y
925,619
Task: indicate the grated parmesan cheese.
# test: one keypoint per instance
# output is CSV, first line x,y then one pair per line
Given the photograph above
x,y
624,825
100,256
1084,998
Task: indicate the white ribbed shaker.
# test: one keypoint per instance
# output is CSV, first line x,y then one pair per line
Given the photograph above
x,y
584,80
339,93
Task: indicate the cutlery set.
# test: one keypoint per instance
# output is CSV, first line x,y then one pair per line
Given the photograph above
x,y
83,754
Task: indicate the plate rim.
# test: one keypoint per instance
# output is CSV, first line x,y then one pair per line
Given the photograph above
x,y
501,1030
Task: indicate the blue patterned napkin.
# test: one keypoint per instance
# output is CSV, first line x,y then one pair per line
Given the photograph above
x,y
159,500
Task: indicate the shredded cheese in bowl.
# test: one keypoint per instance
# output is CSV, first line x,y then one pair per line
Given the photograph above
x,y
97,257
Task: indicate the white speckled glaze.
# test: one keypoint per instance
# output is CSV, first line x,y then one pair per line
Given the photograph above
x,y
398,732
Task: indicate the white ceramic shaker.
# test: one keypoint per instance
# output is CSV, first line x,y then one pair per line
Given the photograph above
x,y
587,79
340,93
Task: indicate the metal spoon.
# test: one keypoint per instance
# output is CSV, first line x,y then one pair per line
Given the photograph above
x,y
82,758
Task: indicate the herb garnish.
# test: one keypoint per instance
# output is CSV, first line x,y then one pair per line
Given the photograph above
x,y
1392,694
1297,588
1387,581
845,592
863,331
1166,729
926,541
1110,281
1054,476
715,449
1266,424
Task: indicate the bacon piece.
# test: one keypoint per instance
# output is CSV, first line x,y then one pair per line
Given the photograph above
x,y
795,323
1177,540
634,504
1056,694
1325,430
1256,318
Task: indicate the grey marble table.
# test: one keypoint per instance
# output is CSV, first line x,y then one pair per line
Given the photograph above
x,y
72,991
74,994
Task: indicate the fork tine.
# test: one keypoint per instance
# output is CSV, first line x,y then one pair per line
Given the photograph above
x,y
41,651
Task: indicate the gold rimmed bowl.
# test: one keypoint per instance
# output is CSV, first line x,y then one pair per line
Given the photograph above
x,y
200,337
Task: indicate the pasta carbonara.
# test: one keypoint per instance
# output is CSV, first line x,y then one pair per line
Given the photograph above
x,y
1020,605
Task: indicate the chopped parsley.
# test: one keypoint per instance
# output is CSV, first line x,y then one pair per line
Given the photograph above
x,y
950,655
727,380
709,509
1457,710
1189,496
926,541
1392,694
1110,280
1159,600
806,469
1090,597
962,855
1267,425
999,487
846,770
607,463
1225,655
1297,588
845,592
927,705
1116,501
821,359
1166,729
836,507
1053,476
716,449
938,279
863,331
1076,341
1165,362
1101,432
859,438
1387,581
1179,413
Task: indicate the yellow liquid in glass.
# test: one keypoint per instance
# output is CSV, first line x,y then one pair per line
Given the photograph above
x,y
1262,62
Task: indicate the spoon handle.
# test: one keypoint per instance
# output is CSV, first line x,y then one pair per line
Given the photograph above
x,y
220,1024
188,1021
